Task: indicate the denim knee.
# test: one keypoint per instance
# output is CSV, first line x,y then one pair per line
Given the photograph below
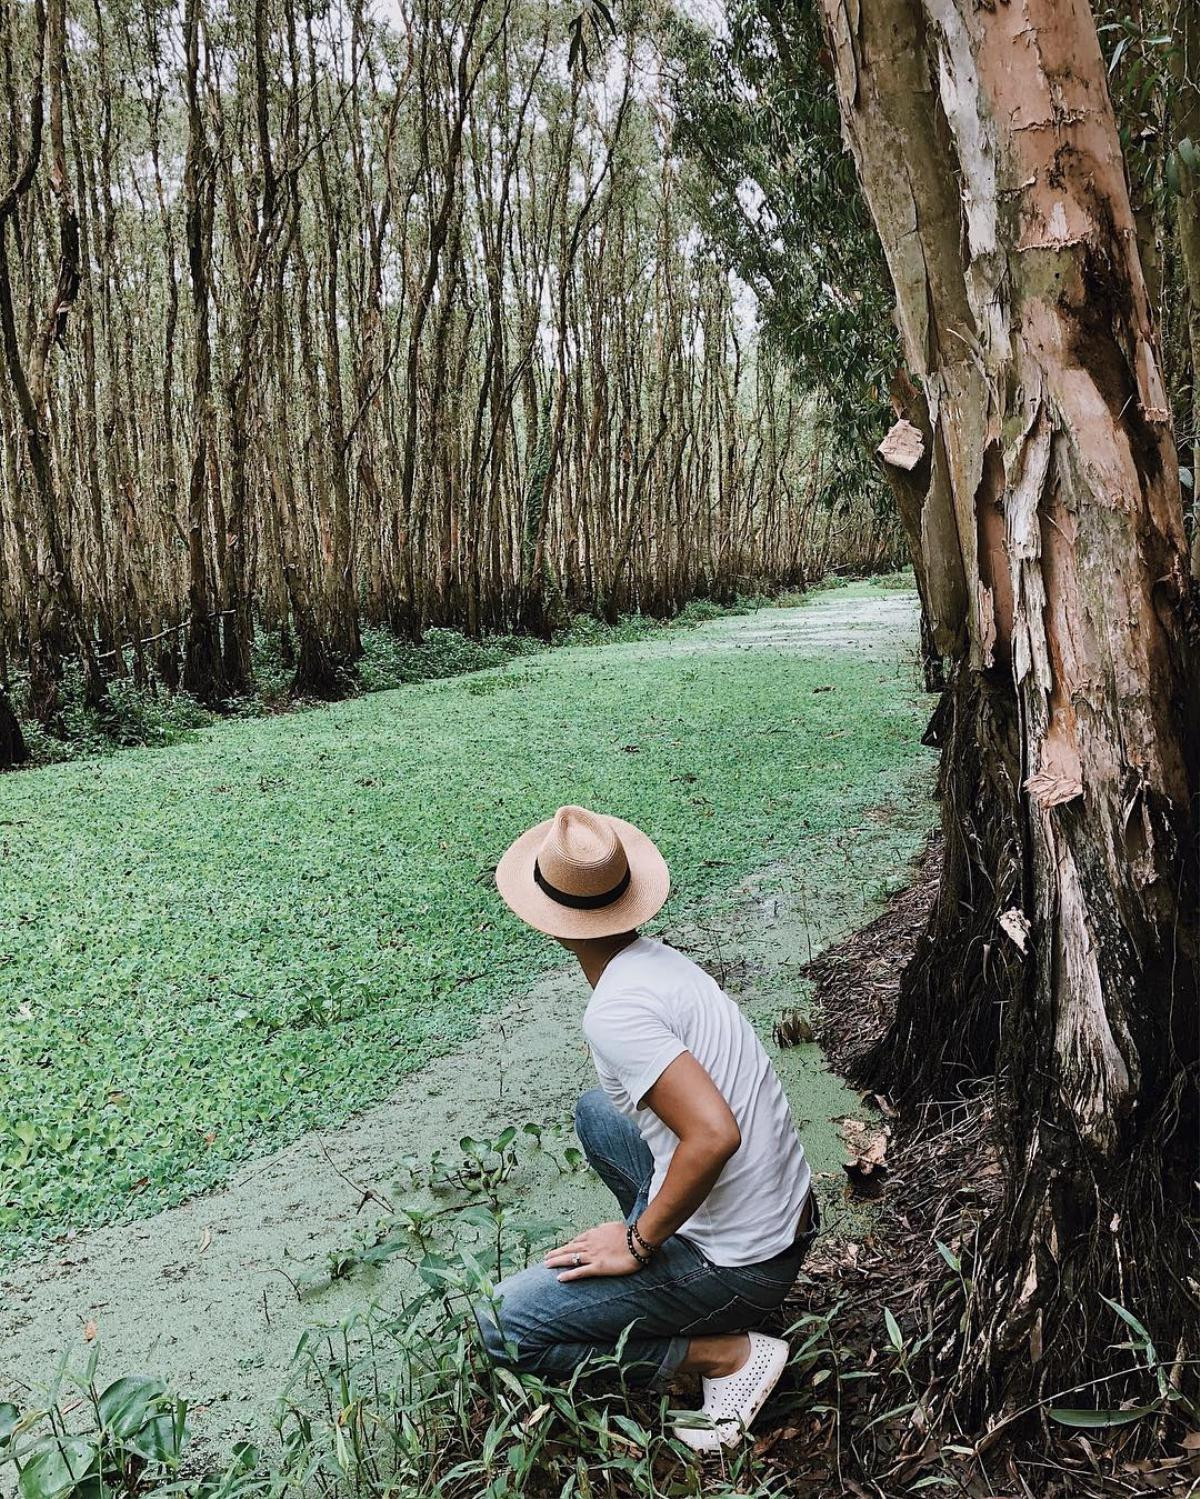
x,y
510,1324
491,1334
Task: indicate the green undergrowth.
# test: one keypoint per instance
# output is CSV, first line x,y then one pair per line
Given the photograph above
x,y
133,717
210,948
151,716
404,1401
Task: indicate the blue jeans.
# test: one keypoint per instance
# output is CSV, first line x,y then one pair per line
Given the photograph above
x,y
546,1326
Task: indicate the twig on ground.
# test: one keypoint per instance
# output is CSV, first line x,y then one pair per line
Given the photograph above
x,y
366,1194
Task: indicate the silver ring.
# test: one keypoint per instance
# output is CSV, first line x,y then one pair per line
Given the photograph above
x,y
578,1261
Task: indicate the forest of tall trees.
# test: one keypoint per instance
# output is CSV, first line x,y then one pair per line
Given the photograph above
x,y
322,315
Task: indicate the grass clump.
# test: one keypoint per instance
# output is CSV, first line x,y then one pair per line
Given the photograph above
x,y
402,1402
900,581
407,1402
387,661
132,717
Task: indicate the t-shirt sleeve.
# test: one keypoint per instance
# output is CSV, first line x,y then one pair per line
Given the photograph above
x,y
629,1035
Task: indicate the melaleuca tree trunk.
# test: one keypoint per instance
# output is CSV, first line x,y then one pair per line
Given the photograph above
x,y
1062,953
56,618
1185,57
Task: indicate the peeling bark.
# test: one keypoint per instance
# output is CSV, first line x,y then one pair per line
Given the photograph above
x,y
1186,62
1052,543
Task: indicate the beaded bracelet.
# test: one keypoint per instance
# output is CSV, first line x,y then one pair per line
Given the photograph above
x,y
642,1259
646,1248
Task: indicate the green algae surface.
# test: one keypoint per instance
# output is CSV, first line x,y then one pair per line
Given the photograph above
x,y
207,949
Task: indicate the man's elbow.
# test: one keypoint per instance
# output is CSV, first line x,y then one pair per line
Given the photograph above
x,y
723,1140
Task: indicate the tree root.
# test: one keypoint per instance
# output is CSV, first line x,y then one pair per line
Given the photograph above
x,y
1002,1262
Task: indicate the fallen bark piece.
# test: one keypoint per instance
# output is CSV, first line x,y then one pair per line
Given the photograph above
x,y
1051,790
792,1028
867,1171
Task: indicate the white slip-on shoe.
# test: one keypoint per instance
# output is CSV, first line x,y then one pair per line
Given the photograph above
x,y
732,1402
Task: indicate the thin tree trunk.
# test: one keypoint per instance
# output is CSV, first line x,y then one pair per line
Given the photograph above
x,y
202,672
57,612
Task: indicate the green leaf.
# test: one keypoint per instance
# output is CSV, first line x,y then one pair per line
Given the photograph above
x,y
1127,1317
507,1377
478,1276
632,1430
380,1253
949,1256
9,1418
1101,1418
160,1440
434,1271
244,1456
895,1336
126,1403
577,47
56,1468
890,1415
478,1215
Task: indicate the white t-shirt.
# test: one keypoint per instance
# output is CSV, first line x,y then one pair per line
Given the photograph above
x,y
651,1005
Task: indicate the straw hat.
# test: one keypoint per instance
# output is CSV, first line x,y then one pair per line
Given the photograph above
x,y
583,875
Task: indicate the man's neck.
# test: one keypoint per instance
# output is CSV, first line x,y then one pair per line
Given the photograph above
x,y
596,953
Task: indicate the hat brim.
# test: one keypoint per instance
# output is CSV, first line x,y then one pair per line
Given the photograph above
x,y
649,886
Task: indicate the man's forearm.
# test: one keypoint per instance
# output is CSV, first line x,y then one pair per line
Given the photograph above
x,y
691,1176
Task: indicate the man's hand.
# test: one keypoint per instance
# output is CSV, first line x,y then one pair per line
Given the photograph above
x,y
603,1250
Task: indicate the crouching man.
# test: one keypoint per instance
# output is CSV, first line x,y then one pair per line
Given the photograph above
x,y
691,1131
